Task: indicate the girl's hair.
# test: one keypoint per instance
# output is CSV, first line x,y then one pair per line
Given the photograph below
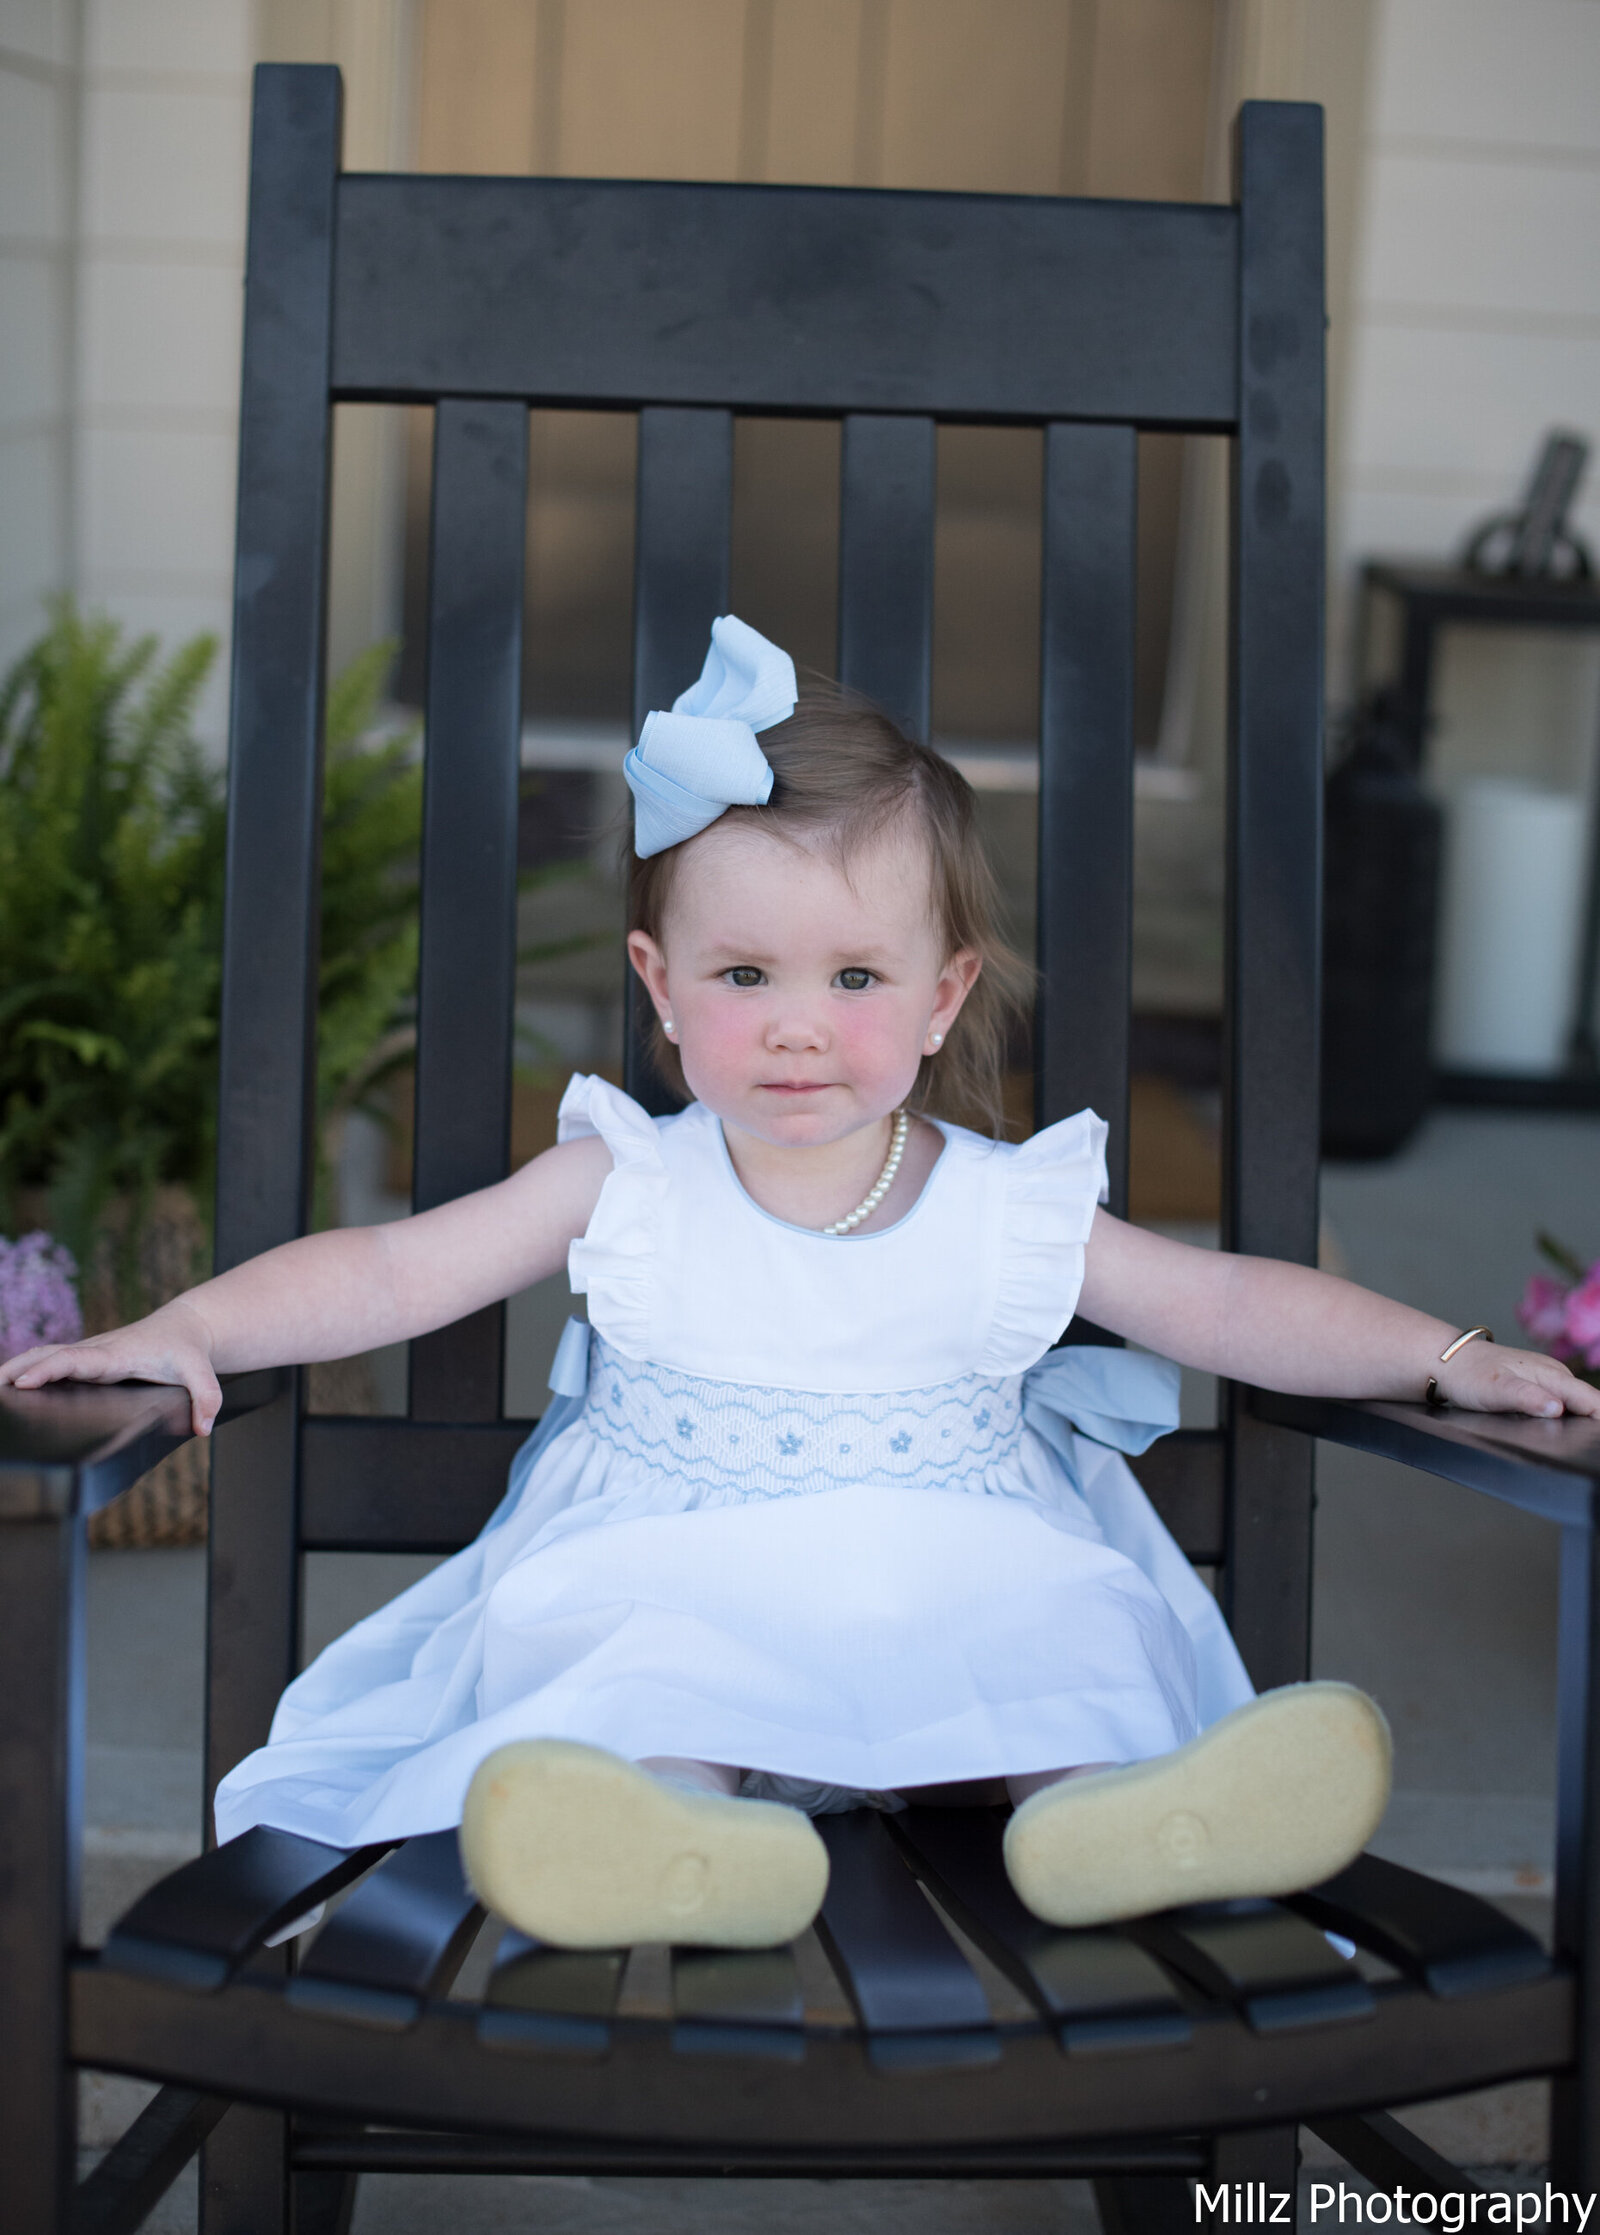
x,y
843,772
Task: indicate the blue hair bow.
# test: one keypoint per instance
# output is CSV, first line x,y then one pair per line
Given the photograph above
x,y
689,766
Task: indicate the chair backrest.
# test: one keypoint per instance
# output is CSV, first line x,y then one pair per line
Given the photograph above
x,y
686,304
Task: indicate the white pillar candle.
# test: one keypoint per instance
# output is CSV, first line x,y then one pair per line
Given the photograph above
x,y
1508,950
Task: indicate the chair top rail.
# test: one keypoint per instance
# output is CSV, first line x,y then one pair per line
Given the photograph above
x,y
790,300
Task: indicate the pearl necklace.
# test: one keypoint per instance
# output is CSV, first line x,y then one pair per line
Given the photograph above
x,y
884,1181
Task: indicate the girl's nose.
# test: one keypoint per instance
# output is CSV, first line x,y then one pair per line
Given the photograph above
x,y
795,1028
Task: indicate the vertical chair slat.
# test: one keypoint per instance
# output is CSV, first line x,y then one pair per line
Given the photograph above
x,y
682,534
466,972
1273,1007
1086,782
886,516
1274,920
269,968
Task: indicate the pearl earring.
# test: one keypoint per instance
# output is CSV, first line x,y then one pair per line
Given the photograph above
x,y
935,1042
668,1027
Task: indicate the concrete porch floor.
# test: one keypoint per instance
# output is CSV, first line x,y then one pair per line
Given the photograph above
x,y
1436,1600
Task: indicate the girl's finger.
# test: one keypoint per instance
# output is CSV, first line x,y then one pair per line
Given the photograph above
x,y
1547,1395
205,1402
53,1366
11,1368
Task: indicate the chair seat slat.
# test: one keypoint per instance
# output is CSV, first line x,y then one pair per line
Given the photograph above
x,y
551,1998
737,2002
399,1937
914,1991
203,1921
1277,1971
1447,1939
1102,1990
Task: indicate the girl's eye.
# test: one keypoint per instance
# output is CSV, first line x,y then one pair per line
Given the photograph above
x,y
855,981
744,974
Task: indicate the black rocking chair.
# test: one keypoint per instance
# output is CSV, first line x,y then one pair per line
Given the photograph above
x,y
1191,2044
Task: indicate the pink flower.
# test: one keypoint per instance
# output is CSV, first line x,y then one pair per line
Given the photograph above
x,y
38,1302
1543,1312
1583,1317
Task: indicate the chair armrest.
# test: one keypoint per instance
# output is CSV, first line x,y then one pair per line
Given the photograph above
x,y
72,1447
1547,1467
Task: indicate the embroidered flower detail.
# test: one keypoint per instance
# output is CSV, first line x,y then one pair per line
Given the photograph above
x,y
981,1419
901,1442
616,1392
684,1425
844,1447
789,1445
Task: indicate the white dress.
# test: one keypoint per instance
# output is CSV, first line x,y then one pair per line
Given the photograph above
x,y
819,1507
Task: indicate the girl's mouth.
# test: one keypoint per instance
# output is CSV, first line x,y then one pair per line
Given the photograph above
x,y
796,1086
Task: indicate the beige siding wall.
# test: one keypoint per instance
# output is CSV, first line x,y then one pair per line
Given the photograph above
x,y
371,42
165,128
1004,96
1477,326
38,193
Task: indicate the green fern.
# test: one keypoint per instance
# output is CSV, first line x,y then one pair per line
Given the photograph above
x,y
111,863
111,853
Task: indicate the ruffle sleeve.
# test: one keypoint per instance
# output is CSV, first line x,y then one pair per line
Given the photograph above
x,y
614,1261
1053,1184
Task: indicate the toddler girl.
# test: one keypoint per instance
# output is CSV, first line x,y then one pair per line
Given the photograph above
x,y
819,1516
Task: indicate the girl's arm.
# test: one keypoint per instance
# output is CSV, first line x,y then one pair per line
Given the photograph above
x,y
1287,1327
336,1294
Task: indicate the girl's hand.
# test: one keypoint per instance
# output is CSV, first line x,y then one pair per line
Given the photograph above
x,y
1487,1378
172,1345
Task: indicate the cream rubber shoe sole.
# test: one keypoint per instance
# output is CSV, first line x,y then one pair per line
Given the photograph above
x,y
581,1848
1274,1798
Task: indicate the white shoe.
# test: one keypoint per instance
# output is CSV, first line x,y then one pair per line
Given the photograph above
x,y
1274,1798
580,1848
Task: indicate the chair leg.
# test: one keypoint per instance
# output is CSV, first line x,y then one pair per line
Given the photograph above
x,y
1268,2159
41,1753
244,2175
1575,2094
1137,2205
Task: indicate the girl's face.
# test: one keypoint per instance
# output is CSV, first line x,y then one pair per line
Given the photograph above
x,y
802,998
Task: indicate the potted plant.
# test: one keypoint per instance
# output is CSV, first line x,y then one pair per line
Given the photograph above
x,y
111,871
1561,1311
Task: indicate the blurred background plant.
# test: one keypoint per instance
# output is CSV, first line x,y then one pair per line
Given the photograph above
x,y
1562,1311
38,1294
111,864
111,888
111,881
111,884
